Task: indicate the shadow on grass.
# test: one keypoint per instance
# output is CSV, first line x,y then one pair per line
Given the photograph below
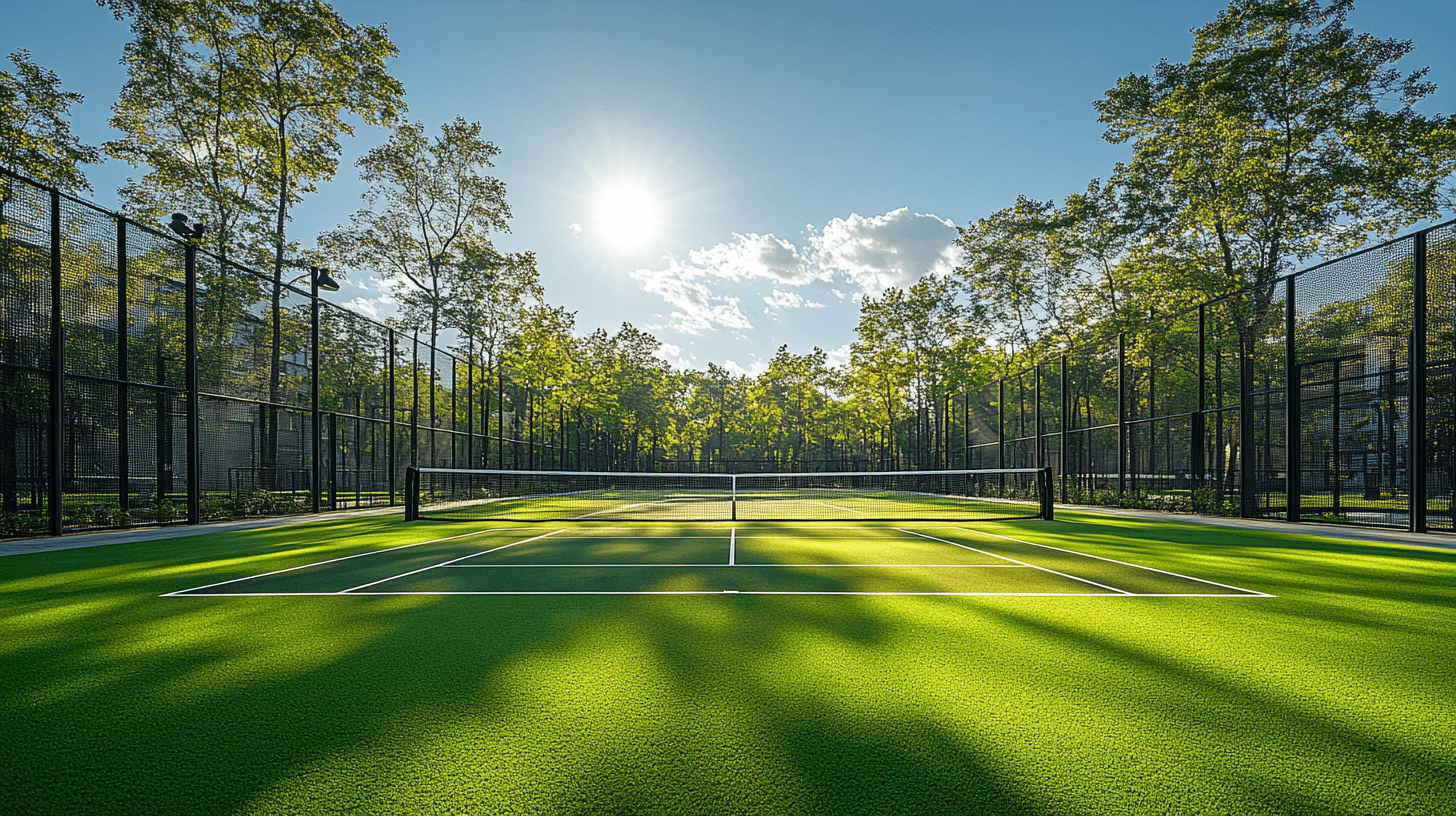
x,y
118,701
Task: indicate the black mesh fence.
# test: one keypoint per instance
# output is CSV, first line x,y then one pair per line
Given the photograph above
x,y
142,383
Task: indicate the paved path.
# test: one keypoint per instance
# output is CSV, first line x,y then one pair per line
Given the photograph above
x,y
72,542
1340,531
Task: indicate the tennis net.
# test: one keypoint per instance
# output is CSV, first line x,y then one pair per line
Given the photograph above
x,y
521,495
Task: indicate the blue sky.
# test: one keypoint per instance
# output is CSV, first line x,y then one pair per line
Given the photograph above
x,y
773,162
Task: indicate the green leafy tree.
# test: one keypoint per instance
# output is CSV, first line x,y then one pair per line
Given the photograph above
x,y
1287,135
183,117
430,208
35,127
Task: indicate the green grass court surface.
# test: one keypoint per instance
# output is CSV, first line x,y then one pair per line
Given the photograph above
x,y
1091,664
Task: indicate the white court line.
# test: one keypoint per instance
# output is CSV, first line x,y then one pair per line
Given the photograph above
x,y
594,566
344,558
1123,563
837,507
447,563
732,544
1014,561
643,538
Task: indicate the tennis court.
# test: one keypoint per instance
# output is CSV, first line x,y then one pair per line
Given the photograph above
x,y
1086,664
751,558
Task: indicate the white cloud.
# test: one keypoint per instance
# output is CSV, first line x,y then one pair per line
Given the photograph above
x,y
754,369
837,357
789,300
364,306
698,307
894,249
672,354
756,256
575,230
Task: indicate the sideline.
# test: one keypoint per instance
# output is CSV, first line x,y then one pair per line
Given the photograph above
x,y
1437,541
22,546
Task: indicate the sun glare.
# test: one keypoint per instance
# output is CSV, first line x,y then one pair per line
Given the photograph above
x,y
627,216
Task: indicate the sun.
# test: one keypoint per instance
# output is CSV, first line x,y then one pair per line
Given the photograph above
x,y
627,215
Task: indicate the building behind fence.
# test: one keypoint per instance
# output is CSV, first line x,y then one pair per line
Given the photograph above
x,y
137,387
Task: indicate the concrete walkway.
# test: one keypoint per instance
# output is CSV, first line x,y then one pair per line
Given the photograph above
x,y
72,542
1445,541
1338,531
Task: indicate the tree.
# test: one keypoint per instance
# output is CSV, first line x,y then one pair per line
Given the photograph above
x,y
1286,136
35,128
430,208
183,117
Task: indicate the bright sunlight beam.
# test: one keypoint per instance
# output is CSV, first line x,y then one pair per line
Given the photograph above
x,y
628,216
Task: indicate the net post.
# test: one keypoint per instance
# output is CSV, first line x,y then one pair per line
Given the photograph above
x,y
1044,486
411,493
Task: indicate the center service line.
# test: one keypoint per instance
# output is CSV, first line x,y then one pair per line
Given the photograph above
x,y
732,544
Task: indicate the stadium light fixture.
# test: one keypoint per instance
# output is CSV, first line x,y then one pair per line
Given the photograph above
x,y
180,226
318,278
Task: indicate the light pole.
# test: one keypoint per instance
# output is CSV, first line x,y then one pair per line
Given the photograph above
x,y
191,235
318,279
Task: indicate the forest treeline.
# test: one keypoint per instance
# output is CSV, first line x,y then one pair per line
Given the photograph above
x,y
1286,136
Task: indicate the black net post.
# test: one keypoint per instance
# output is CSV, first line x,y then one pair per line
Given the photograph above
x,y
411,493
1417,430
57,373
1292,437
194,411
1044,492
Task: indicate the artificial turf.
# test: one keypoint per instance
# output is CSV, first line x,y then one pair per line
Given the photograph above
x,y
1336,696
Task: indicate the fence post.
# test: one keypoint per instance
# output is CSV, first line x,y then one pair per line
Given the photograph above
x,y
415,408
1121,414
334,461
1001,422
1293,481
393,417
1036,421
1196,465
470,413
965,429
1417,427
194,410
123,367
55,496
1066,420
314,389
1246,427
